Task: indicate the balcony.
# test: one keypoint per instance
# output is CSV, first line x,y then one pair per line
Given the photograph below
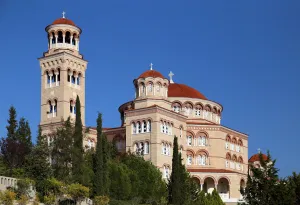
x,y
53,84
64,45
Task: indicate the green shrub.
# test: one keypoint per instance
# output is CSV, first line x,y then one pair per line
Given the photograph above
x,y
49,200
7,197
23,200
101,200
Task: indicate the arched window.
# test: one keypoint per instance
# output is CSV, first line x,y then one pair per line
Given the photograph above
x,y
189,140
150,87
68,37
133,128
79,79
60,37
146,149
167,128
166,172
138,127
73,39
164,148
189,160
144,127
148,126
72,107
158,89
73,77
204,159
53,38
141,148
50,107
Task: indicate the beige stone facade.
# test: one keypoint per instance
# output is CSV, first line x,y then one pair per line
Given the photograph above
x,y
216,156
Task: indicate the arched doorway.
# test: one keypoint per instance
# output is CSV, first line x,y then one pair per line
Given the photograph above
x,y
209,185
223,188
196,180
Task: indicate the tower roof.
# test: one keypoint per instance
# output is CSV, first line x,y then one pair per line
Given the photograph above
x,y
151,73
255,158
63,21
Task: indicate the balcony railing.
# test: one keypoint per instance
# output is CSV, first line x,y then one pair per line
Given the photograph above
x,y
64,45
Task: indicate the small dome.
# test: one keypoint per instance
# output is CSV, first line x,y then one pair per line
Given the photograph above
x,y
181,90
64,21
255,158
151,73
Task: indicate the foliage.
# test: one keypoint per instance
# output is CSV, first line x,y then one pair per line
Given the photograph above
x,y
62,152
264,186
37,163
7,197
24,135
78,192
23,187
293,183
77,151
12,124
120,187
101,181
49,199
88,175
101,200
23,200
146,179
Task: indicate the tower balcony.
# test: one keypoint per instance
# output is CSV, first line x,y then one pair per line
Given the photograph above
x,y
64,46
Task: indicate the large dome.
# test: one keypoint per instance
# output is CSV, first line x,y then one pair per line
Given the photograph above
x,y
181,90
64,21
151,73
255,158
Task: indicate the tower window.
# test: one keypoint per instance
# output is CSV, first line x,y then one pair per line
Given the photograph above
x,y
60,37
68,39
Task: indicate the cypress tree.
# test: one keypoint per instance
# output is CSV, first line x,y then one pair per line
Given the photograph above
x,y
105,153
77,154
175,181
98,181
12,124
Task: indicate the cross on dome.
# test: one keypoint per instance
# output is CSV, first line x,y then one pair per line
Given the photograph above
x,y
171,77
259,151
151,66
63,14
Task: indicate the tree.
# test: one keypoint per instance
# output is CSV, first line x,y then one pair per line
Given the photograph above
x,y
12,124
77,153
7,197
120,186
23,134
101,174
216,199
38,166
176,179
294,184
78,192
62,152
12,153
146,179
264,186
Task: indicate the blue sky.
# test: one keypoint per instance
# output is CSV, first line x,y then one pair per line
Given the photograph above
x,y
242,54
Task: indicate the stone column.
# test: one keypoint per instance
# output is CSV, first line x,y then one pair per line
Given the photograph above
x,y
70,77
56,38
51,38
71,39
201,187
53,105
64,38
51,75
56,78
76,79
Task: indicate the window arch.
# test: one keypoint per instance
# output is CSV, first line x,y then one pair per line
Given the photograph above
x,y
144,126
189,140
147,148
188,107
176,107
68,37
60,37
148,126
189,159
150,87
166,174
198,110
133,128
180,131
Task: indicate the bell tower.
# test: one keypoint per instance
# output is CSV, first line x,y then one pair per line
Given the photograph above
x,y
62,74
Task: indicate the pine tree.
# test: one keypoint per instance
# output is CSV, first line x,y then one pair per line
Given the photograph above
x,y
77,154
175,181
37,163
12,124
263,184
23,134
216,199
62,151
99,181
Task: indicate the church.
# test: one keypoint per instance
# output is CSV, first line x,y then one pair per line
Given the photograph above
x,y
216,156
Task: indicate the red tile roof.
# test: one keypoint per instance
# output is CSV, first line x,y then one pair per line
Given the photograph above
x,y
181,90
255,158
151,73
64,21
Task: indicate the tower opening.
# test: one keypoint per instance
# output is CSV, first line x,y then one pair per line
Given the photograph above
x,y
60,37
